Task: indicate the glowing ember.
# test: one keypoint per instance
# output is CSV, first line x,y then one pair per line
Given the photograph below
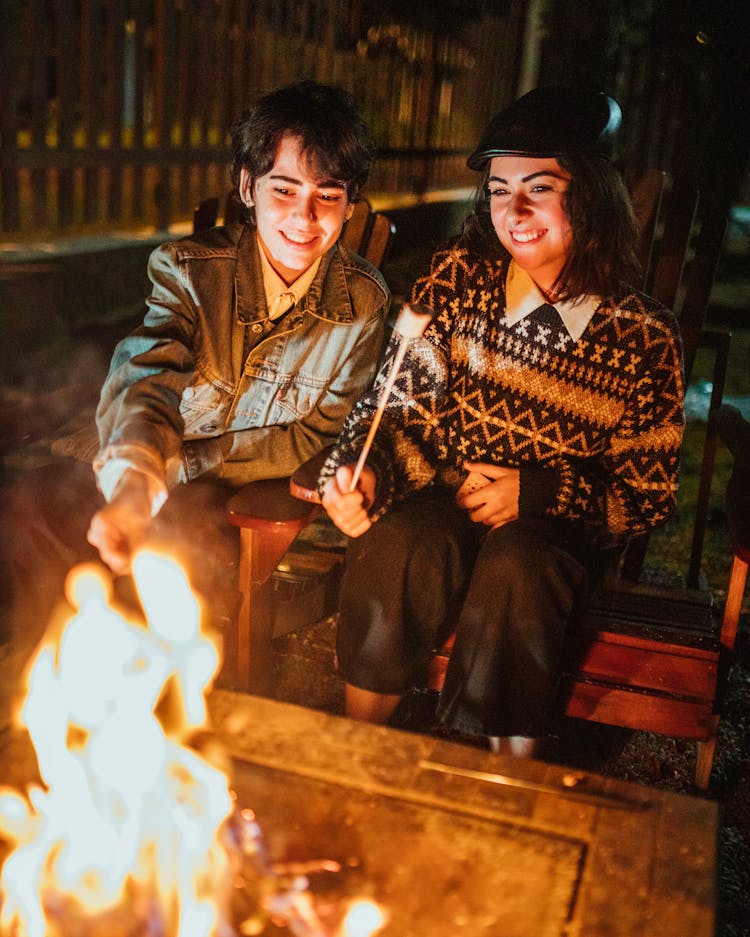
x,y
363,919
135,833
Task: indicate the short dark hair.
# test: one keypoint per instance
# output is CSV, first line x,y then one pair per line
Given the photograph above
x,y
325,119
605,232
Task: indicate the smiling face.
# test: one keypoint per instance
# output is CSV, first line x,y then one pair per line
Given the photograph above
x,y
299,215
527,207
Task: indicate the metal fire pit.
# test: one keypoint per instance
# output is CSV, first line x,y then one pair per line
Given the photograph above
x,y
449,839
454,840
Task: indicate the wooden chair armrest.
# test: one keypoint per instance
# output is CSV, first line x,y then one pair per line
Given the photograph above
x,y
304,482
268,505
269,517
275,503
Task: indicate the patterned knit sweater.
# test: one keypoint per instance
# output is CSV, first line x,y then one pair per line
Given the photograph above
x,y
594,425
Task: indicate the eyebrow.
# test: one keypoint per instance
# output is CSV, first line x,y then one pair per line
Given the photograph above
x,y
534,175
323,184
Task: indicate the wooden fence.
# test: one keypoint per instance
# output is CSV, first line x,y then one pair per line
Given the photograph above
x,y
115,113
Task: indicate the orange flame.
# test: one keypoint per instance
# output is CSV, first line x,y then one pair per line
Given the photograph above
x,y
129,814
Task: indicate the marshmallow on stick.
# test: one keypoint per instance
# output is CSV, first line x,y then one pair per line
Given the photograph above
x,y
411,323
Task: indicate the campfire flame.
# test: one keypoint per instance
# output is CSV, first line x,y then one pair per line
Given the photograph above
x,y
133,832
128,810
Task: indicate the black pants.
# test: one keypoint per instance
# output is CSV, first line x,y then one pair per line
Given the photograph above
x,y
45,514
425,569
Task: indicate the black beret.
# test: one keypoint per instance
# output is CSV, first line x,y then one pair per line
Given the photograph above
x,y
551,122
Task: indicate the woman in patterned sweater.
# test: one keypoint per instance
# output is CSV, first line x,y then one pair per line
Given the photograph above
x,y
534,429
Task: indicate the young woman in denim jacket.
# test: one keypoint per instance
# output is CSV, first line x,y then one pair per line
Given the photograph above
x,y
257,340
212,385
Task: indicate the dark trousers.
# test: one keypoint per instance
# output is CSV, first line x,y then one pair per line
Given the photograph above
x,y
45,514
425,569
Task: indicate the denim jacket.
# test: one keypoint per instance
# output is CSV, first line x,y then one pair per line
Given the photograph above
x,y
207,386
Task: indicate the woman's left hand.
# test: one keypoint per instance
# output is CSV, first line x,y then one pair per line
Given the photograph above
x,y
495,503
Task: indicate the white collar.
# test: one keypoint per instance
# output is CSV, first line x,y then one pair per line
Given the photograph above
x,y
276,288
523,296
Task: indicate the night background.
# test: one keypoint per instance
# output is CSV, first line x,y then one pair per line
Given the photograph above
x,y
114,125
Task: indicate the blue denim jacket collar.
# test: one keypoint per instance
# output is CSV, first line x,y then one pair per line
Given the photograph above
x,y
327,298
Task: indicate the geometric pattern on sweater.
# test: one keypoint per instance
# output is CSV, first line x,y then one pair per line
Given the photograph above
x,y
594,426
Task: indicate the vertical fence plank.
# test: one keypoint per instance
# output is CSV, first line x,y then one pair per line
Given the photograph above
x,y
237,98
138,39
164,107
115,37
38,26
207,73
90,84
186,32
10,46
222,78
67,40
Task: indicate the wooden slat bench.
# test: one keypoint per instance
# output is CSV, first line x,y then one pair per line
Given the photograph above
x,y
652,662
645,657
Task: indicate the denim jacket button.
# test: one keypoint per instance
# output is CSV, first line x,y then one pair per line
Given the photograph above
x,y
256,327
208,428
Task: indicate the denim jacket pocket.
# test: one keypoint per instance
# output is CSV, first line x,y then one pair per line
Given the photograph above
x,y
297,398
203,408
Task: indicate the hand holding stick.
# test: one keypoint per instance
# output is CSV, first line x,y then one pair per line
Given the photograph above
x,y
411,323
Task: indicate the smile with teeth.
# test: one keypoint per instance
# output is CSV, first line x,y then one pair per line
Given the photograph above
x,y
298,239
526,237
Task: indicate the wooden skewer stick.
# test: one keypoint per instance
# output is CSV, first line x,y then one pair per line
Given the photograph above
x,y
410,324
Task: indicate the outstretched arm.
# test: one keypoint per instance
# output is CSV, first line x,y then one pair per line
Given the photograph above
x,y
119,528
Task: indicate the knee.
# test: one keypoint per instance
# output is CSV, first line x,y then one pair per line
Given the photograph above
x,y
518,552
525,562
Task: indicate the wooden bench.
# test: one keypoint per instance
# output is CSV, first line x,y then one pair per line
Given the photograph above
x,y
654,658
651,659
644,657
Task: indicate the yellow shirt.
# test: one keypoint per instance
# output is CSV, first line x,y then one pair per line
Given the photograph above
x,y
279,296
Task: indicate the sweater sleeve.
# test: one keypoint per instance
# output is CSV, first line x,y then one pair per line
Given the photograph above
x,y
410,441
